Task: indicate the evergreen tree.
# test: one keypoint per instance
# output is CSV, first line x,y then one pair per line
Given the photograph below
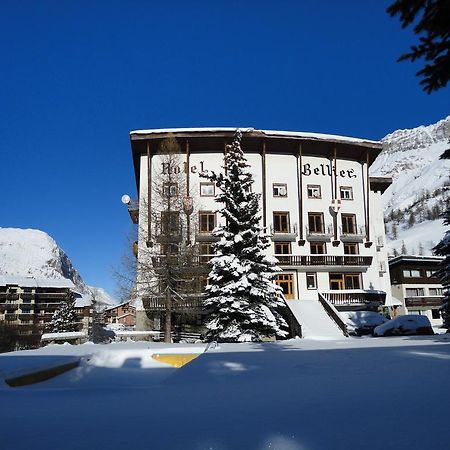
x,y
64,318
421,249
241,295
431,23
395,252
403,250
394,231
443,249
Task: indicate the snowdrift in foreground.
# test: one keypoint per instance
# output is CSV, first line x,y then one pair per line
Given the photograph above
x,y
356,394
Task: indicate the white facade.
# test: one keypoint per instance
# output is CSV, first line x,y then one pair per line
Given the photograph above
x,y
326,224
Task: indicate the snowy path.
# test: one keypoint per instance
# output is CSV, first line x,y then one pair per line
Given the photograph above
x,y
315,322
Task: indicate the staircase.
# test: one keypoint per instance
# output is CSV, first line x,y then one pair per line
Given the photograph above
x,y
316,323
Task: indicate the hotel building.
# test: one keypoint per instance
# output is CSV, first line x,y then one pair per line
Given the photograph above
x,y
319,205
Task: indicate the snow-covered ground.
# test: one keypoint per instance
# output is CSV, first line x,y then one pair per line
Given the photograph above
x,y
367,393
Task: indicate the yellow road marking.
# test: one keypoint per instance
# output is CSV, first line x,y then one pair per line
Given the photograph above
x,y
175,360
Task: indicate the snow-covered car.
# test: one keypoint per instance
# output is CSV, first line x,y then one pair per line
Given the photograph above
x,y
361,323
404,325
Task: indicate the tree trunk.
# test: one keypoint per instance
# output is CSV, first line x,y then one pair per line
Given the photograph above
x,y
168,319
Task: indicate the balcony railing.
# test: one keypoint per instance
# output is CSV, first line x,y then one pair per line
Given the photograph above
x,y
159,303
423,301
325,232
9,296
352,233
176,260
324,260
355,297
133,210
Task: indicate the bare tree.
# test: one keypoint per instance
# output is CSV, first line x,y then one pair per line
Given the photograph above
x,y
167,268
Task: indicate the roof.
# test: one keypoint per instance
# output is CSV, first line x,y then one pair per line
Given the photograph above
x,y
13,280
119,305
186,132
213,139
415,259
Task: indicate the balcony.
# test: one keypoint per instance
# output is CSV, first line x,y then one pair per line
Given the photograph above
x,y
9,296
355,299
430,302
324,233
324,260
189,261
288,234
352,234
11,317
187,303
133,211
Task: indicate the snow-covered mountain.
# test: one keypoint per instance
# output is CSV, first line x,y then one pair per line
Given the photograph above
x,y
33,253
420,186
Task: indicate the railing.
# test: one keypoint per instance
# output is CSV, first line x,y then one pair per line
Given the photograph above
x,y
11,317
423,301
346,298
9,296
332,312
180,260
291,229
353,231
325,230
324,260
61,295
159,303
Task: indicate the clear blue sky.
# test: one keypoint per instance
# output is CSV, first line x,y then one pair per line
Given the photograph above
x,y
76,77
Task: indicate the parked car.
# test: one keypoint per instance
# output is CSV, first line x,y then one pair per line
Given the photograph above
x,y
405,325
360,323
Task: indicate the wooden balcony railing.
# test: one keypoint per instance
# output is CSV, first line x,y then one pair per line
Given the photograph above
x,y
324,260
348,298
159,303
423,301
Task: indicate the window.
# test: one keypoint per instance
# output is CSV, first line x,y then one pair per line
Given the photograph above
x,y
348,224
311,281
414,292
346,193
351,248
315,222
207,189
169,249
286,282
314,191
170,221
282,248
281,222
411,273
170,189
430,273
435,291
435,314
318,248
279,190
339,281
206,252
207,221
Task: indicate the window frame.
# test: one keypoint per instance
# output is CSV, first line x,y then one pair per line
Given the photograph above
x,y
315,216
278,186
351,244
314,186
167,189
277,218
208,215
205,185
346,219
284,245
343,189
315,244
312,275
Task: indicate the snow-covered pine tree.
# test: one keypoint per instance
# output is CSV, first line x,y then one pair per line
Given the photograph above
x,y
443,249
244,302
64,318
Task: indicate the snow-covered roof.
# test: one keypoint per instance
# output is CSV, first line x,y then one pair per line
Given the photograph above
x,y
83,300
119,305
62,336
268,133
35,282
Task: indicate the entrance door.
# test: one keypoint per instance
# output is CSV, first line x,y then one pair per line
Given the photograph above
x,y
286,282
